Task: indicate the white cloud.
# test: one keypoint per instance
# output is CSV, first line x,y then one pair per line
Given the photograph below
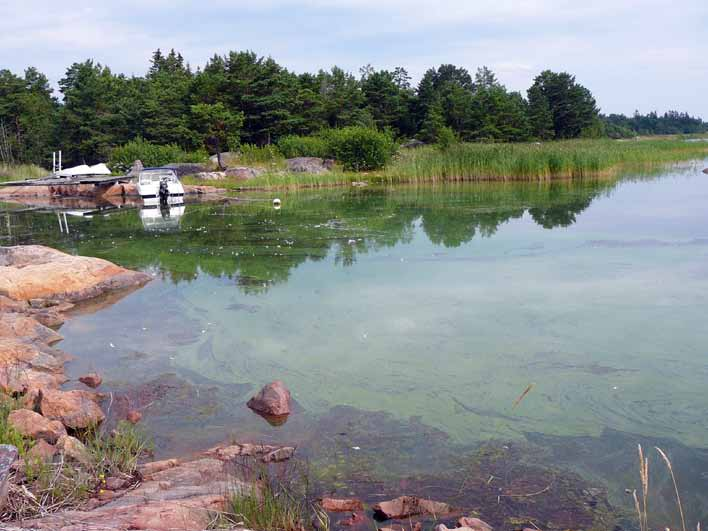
x,y
631,53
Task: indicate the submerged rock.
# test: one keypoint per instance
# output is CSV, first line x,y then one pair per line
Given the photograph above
x,y
409,506
474,523
349,505
273,400
91,380
31,424
705,171
75,409
134,416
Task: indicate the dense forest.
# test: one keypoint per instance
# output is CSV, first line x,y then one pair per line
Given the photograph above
x,y
246,99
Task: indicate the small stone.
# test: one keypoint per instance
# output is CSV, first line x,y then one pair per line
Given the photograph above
x,y
134,416
114,483
74,449
341,505
91,379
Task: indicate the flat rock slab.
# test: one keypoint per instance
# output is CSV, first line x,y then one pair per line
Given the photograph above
x,y
38,272
174,495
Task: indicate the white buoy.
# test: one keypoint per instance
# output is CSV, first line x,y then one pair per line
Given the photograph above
x,y
276,203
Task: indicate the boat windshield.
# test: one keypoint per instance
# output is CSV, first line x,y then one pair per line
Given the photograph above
x,y
155,176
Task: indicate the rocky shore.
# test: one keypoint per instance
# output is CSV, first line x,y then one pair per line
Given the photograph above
x,y
90,191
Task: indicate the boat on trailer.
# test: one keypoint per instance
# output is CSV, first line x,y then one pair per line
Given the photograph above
x,y
160,185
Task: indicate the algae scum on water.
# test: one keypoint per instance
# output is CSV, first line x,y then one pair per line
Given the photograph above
x,y
430,309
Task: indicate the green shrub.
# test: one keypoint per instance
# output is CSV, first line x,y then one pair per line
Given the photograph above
x,y
360,148
304,146
446,138
122,157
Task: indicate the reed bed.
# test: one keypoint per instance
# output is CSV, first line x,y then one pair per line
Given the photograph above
x,y
567,159
12,172
496,162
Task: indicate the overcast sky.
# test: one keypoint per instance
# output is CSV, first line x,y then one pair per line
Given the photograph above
x,y
632,54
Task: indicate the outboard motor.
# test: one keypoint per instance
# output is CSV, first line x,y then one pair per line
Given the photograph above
x,y
164,192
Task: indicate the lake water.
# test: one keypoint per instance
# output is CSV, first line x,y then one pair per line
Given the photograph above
x,y
408,322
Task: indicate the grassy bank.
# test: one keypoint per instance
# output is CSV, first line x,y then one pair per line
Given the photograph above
x,y
16,172
499,162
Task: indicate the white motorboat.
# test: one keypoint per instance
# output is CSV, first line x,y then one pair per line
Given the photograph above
x,y
160,185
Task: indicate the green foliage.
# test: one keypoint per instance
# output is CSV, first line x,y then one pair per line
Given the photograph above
x,y
118,452
447,138
360,148
242,97
304,146
122,157
218,127
572,107
11,172
8,434
252,154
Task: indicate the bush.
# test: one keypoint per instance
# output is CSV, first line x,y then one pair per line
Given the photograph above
x,y
304,146
122,157
359,148
446,138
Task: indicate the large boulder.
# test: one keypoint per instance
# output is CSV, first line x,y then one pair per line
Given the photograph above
x,y
91,380
309,165
38,272
406,506
75,409
8,456
187,168
31,424
244,173
273,400
227,158
211,175
473,523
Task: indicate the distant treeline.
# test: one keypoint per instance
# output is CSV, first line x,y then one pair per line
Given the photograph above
x,y
243,98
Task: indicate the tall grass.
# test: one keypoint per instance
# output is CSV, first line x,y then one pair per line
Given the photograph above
x,y
570,159
641,506
497,162
12,172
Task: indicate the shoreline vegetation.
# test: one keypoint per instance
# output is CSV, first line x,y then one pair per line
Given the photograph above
x,y
569,159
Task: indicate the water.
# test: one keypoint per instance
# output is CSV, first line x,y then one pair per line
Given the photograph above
x,y
408,322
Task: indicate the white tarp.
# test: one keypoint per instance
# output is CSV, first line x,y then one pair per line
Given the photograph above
x,y
98,169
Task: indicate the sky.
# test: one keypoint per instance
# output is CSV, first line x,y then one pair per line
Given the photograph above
x,y
632,54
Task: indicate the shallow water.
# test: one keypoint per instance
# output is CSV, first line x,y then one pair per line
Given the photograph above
x,y
407,322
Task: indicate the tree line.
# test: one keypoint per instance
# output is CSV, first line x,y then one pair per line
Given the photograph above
x,y
241,98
